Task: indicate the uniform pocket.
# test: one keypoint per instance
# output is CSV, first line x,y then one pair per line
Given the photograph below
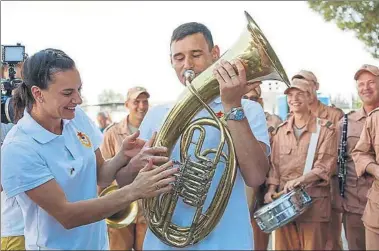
x,y
285,154
371,213
364,184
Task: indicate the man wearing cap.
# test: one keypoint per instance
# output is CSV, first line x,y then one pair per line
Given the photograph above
x,y
319,109
137,103
332,114
103,120
366,151
255,195
354,200
293,144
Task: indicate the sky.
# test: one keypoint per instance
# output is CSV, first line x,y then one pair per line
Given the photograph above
x,y
117,45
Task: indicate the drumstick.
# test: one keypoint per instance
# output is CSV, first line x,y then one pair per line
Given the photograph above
x,y
277,195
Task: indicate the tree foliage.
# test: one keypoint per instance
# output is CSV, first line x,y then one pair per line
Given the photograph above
x,y
361,17
110,96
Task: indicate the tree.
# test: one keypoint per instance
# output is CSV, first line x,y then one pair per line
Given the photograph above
x,y
357,102
361,17
110,96
340,102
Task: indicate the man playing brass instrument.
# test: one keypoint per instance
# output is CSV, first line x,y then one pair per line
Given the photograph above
x,y
192,48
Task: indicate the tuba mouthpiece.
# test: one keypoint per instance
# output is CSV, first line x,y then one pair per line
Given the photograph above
x,y
189,75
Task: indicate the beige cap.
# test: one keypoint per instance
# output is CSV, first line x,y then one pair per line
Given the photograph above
x,y
256,92
300,84
368,68
308,75
134,92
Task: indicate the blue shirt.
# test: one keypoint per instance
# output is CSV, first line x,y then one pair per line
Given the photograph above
x,y
234,229
31,156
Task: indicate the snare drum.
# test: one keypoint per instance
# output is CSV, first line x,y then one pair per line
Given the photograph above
x,y
282,210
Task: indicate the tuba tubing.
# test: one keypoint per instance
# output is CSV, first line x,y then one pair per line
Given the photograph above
x,y
197,169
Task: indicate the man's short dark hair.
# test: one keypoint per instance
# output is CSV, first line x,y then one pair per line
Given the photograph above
x,y
192,28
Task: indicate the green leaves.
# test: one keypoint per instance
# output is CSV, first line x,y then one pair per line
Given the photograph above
x,y
361,17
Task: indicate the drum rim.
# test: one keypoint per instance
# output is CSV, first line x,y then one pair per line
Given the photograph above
x,y
278,201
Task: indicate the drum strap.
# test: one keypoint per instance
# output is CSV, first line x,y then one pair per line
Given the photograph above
x,y
312,148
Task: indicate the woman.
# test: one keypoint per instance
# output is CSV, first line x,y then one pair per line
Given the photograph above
x,y
291,146
51,162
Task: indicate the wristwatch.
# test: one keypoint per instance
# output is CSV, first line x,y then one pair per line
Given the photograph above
x,y
235,113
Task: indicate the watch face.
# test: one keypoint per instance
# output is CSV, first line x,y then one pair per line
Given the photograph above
x,y
240,115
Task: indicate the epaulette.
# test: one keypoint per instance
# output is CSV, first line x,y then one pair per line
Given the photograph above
x,y
375,110
108,127
277,128
325,123
328,124
351,112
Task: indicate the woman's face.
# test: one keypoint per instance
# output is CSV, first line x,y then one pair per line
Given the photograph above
x,y
62,96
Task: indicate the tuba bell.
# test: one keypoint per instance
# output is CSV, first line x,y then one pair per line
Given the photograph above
x,y
123,218
196,172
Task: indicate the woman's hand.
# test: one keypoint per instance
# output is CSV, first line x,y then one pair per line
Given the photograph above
x,y
132,145
153,180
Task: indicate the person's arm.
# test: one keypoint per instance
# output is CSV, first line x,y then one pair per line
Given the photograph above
x,y
29,174
127,174
324,164
364,153
107,169
107,147
251,153
273,179
52,199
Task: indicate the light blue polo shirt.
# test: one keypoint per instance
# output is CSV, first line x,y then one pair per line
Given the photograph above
x,y
31,156
234,229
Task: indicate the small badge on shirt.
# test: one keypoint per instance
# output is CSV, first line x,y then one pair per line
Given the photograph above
x,y
219,114
83,138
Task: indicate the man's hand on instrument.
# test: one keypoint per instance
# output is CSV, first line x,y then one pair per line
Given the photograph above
x,y
268,197
148,152
290,185
233,85
153,180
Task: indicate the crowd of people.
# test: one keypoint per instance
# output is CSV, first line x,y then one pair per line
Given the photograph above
x,y
55,160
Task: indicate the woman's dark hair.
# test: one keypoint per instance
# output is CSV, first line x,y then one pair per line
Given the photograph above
x,y
38,70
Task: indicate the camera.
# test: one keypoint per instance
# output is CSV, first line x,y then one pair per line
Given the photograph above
x,y
11,55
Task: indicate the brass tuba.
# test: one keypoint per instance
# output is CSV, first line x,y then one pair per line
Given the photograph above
x,y
196,171
123,218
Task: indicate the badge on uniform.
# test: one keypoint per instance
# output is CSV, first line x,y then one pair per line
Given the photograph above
x,y
219,114
84,139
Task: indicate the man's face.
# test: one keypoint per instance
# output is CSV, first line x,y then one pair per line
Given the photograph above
x,y
192,53
368,88
102,121
298,100
138,107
